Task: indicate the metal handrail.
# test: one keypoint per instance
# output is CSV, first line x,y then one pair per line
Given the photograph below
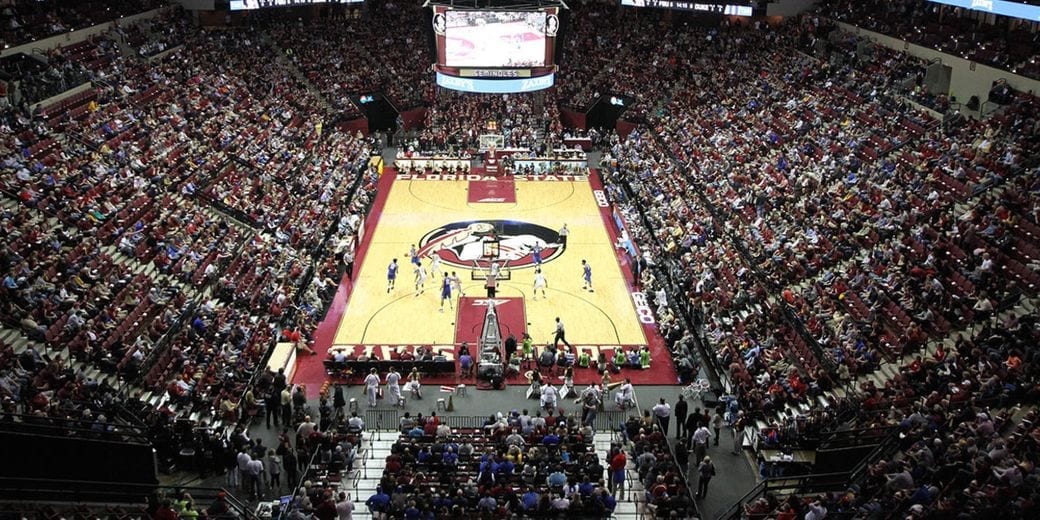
x,y
857,436
29,424
778,483
683,476
690,320
843,479
605,420
82,491
299,482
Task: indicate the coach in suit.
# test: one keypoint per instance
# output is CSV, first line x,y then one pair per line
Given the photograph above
x,y
680,410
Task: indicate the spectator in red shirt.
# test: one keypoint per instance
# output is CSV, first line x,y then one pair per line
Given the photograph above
x,y
617,471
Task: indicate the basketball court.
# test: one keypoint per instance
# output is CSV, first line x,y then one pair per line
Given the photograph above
x,y
436,215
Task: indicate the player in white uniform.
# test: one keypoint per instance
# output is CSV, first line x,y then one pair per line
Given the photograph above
x,y
420,280
435,264
372,387
456,284
540,284
393,386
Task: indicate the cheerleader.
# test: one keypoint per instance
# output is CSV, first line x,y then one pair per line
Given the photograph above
x,y
413,385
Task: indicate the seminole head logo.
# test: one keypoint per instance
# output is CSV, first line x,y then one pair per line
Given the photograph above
x,y
466,244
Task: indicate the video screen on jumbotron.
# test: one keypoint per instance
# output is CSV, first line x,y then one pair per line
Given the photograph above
x,y
494,38
245,5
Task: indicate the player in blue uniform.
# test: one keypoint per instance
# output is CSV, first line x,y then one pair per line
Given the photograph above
x,y
586,275
536,253
391,275
413,255
446,292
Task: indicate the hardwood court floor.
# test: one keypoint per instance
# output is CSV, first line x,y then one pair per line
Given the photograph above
x,y
415,207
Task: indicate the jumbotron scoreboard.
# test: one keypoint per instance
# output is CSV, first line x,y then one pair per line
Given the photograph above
x,y
506,48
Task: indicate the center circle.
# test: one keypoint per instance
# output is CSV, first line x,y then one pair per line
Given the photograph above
x,y
476,243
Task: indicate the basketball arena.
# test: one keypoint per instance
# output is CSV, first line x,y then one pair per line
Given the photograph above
x,y
605,259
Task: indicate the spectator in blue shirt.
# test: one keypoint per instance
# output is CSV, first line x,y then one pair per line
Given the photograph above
x,y
607,500
551,439
556,479
378,502
488,465
487,503
585,488
199,325
450,458
505,468
424,455
530,500
411,512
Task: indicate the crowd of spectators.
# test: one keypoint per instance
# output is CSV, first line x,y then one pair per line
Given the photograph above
x,y
758,152
642,56
57,395
176,220
1008,43
29,20
130,244
50,79
663,471
962,449
901,72
799,297
517,464
159,34
368,51
39,77
456,120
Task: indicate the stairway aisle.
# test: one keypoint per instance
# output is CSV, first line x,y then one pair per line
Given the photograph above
x,y
629,504
368,470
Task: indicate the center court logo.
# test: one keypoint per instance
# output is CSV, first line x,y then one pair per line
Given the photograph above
x,y
461,244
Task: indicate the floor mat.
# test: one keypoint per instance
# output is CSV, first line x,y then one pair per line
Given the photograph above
x,y
500,191
469,320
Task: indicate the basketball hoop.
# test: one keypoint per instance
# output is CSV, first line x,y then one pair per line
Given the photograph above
x,y
490,266
491,142
491,249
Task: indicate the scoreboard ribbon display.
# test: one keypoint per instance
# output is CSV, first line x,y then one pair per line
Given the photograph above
x,y
495,73
1001,7
495,86
248,5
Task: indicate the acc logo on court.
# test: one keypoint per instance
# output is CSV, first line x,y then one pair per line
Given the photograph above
x,y
461,244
